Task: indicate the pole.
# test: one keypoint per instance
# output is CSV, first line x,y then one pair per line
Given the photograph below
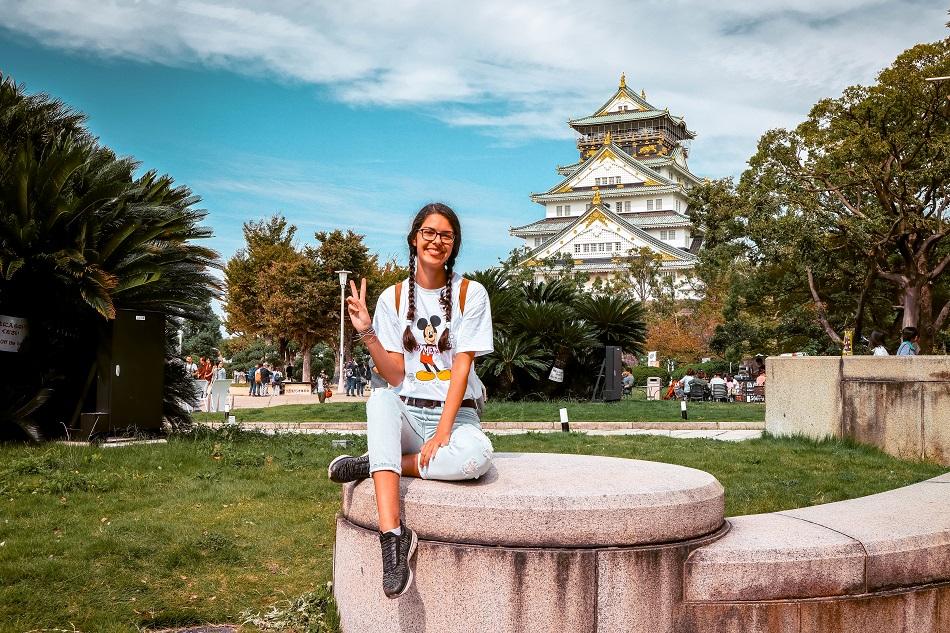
x,y
340,387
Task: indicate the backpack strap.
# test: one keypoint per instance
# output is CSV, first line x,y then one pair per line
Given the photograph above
x,y
463,290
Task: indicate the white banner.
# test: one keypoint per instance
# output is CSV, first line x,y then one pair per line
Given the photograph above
x,y
651,360
12,333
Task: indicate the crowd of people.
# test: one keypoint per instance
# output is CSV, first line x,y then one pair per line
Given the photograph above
x,y
908,346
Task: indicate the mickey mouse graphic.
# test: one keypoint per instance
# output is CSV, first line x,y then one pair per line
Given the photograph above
x,y
429,349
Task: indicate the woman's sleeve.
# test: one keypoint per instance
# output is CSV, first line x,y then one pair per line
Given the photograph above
x,y
475,327
386,323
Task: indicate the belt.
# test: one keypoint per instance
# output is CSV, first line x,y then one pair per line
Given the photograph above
x,y
431,404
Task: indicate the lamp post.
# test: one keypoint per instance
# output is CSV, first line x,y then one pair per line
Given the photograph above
x,y
342,273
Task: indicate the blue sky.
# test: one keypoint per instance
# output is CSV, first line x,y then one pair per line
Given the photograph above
x,y
353,116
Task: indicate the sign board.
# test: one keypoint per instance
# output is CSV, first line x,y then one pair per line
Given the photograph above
x,y
652,360
556,375
12,333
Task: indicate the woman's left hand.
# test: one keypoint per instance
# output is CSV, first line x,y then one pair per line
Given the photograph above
x,y
430,448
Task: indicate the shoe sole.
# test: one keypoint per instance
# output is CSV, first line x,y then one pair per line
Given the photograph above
x,y
412,552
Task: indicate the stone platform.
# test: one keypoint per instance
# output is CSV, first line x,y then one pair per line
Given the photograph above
x,y
542,542
597,544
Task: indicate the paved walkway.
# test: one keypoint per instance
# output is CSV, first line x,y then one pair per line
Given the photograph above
x,y
745,430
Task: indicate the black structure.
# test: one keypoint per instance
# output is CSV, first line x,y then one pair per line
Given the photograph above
x,y
609,385
613,384
131,367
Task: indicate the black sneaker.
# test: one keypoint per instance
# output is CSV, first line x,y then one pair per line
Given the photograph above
x,y
397,552
345,468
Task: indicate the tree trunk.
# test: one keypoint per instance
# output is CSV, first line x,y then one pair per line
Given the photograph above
x,y
305,350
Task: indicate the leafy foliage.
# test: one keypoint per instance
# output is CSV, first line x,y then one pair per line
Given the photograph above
x,y
81,237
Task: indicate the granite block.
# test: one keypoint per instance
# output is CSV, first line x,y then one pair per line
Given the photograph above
x,y
772,557
552,500
768,617
906,532
463,588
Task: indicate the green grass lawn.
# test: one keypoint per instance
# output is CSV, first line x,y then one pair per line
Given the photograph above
x,y
628,410
202,528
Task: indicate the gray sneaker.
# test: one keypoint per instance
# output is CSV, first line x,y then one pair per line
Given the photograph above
x,y
397,552
344,468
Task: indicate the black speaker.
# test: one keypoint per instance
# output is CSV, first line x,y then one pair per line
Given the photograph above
x,y
131,366
613,385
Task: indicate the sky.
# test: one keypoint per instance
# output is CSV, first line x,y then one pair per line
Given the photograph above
x,y
354,115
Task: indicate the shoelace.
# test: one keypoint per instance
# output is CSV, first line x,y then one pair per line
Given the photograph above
x,y
391,548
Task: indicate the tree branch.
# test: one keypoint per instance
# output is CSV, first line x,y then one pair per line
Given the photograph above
x,y
936,272
820,309
941,317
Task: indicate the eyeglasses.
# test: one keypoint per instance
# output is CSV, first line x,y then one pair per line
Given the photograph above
x,y
446,237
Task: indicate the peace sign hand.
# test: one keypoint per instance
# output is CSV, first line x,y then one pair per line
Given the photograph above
x,y
356,306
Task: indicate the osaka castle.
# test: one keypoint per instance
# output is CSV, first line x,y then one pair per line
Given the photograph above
x,y
627,191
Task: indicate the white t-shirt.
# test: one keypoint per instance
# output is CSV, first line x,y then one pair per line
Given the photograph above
x,y
880,350
428,370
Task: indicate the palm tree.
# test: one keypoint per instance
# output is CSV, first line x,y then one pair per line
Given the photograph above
x,y
615,320
80,237
514,356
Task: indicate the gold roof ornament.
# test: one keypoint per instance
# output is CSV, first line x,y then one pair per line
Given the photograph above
x,y
607,139
643,94
596,199
623,80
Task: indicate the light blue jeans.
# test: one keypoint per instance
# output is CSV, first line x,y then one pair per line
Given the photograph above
x,y
394,429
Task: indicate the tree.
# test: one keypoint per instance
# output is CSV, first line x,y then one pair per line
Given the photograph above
x,y
293,304
865,181
267,241
202,337
640,272
80,238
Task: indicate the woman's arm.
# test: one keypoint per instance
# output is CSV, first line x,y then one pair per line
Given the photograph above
x,y
461,365
391,365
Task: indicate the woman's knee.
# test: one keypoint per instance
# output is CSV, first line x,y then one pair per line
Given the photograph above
x,y
475,454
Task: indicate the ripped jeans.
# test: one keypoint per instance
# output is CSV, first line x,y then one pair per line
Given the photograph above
x,y
394,429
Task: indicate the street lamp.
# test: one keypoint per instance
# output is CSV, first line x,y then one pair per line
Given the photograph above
x,y
342,274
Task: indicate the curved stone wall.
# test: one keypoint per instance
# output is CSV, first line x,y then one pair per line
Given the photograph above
x,y
876,564
900,404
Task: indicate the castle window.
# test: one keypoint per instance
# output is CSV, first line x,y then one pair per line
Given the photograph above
x,y
649,205
567,209
677,205
600,247
617,246
557,210
663,234
577,248
659,203
610,247
672,234
586,248
537,241
626,206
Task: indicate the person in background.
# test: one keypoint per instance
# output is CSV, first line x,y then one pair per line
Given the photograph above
x,y
760,379
191,367
627,380
289,372
877,344
255,374
219,372
909,338
689,377
730,385
718,388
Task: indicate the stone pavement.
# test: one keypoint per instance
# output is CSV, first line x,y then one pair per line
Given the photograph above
x,y
746,431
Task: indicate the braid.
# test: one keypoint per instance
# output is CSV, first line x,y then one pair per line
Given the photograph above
x,y
446,300
408,340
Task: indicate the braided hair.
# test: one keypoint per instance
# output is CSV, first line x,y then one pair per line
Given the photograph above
x,y
445,298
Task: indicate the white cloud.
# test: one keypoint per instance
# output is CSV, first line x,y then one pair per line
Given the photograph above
x,y
519,70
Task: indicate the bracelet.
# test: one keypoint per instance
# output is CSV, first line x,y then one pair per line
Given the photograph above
x,y
368,332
